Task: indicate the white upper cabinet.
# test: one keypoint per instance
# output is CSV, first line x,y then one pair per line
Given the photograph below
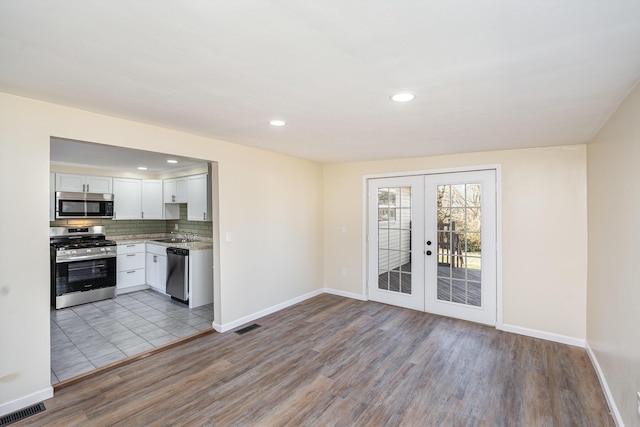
x,y
151,199
127,198
198,198
83,183
99,184
175,190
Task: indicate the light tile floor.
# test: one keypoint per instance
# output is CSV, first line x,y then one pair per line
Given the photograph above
x,y
89,336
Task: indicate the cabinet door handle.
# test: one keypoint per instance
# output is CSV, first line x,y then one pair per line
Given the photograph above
x,y
173,198
142,215
87,188
131,246
131,254
204,215
83,186
132,271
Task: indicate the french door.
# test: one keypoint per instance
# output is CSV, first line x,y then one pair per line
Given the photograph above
x,y
432,244
396,264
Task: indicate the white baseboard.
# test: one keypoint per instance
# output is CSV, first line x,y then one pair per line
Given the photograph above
x,y
345,294
250,318
605,387
28,400
563,339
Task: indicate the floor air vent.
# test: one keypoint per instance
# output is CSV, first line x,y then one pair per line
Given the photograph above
x,y
247,329
14,417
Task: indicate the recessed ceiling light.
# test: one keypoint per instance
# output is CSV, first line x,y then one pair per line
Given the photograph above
x,y
403,97
172,161
277,123
142,168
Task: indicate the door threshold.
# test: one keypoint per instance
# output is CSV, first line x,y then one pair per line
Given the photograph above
x,y
98,371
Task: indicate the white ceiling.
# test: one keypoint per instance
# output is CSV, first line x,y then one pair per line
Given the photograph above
x,y
87,154
488,75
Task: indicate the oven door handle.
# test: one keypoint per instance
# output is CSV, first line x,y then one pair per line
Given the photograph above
x,y
85,258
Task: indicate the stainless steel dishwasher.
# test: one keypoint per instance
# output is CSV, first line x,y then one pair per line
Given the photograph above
x,y
178,274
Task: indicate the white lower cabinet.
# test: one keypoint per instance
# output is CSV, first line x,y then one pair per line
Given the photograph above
x,y
130,268
157,267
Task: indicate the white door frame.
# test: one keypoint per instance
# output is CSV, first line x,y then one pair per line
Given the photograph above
x,y
365,224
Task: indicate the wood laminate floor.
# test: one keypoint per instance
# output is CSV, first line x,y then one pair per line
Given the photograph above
x,y
332,361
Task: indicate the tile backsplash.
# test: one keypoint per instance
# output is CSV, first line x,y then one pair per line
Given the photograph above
x,y
125,227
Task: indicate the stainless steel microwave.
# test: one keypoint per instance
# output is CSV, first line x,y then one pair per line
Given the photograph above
x,y
83,205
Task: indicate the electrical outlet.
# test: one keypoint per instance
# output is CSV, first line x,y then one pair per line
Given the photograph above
x,y
343,272
175,227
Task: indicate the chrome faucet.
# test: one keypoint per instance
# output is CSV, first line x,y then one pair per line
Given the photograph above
x,y
185,237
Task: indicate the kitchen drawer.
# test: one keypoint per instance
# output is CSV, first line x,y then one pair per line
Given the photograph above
x,y
130,261
131,248
129,278
156,249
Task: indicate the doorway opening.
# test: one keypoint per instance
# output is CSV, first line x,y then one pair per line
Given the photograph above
x,y
142,317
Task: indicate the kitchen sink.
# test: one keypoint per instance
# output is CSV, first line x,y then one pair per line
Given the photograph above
x,y
170,240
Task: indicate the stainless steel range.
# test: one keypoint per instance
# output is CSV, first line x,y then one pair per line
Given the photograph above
x,y
83,265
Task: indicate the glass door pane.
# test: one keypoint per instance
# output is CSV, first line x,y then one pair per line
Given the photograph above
x,y
394,240
459,243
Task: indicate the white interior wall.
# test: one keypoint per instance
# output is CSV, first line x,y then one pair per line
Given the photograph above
x,y
270,203
613,316
544,232
275,207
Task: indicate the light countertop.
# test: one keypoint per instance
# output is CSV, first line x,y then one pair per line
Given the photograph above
x,y
200,243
